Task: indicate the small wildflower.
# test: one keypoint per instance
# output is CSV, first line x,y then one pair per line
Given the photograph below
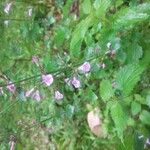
x,y
148,141
30,12
114,84
47,79
11,87
6,22
12,145
7,8
65,53
140,137
86,67
108,45
103,66
36,95
58,95
29,92
35,60
111,53
75,82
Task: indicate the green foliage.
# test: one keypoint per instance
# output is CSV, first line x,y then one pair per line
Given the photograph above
x,y
145,117
120,118
78,35
113,36
135,108
130,17
106,90
127,77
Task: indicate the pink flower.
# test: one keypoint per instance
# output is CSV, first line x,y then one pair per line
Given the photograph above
x,y
36,95
12,145
58,95
75,82
35,60
86,67
7,8
11,87
47,79
29,92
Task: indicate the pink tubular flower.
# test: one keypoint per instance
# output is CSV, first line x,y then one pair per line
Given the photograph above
x,y
75,82
86,67
7,8
11,87
47,79
58,95
36,95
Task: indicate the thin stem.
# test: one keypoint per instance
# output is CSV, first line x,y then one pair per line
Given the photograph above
x,y
58,71
8,107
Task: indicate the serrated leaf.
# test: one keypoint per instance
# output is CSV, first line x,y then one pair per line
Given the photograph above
x,y
127,77
78,35
135,108
119,118
134,53
145,117
101,6
106,90
148,100
130,17
86,6
139,98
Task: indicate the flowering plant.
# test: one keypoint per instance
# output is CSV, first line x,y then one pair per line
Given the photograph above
x,y
74,74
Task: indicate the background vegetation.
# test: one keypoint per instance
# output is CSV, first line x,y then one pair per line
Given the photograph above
x,y
57,37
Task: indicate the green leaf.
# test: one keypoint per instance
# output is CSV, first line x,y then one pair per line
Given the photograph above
x,y
128,18
135,108
106,90
134,53
86,6
101,6
78,35
127,77
139,98
145,117
148,100
70,110
60,36
119,118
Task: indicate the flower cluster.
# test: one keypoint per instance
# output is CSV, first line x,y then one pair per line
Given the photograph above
x,y
48,79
